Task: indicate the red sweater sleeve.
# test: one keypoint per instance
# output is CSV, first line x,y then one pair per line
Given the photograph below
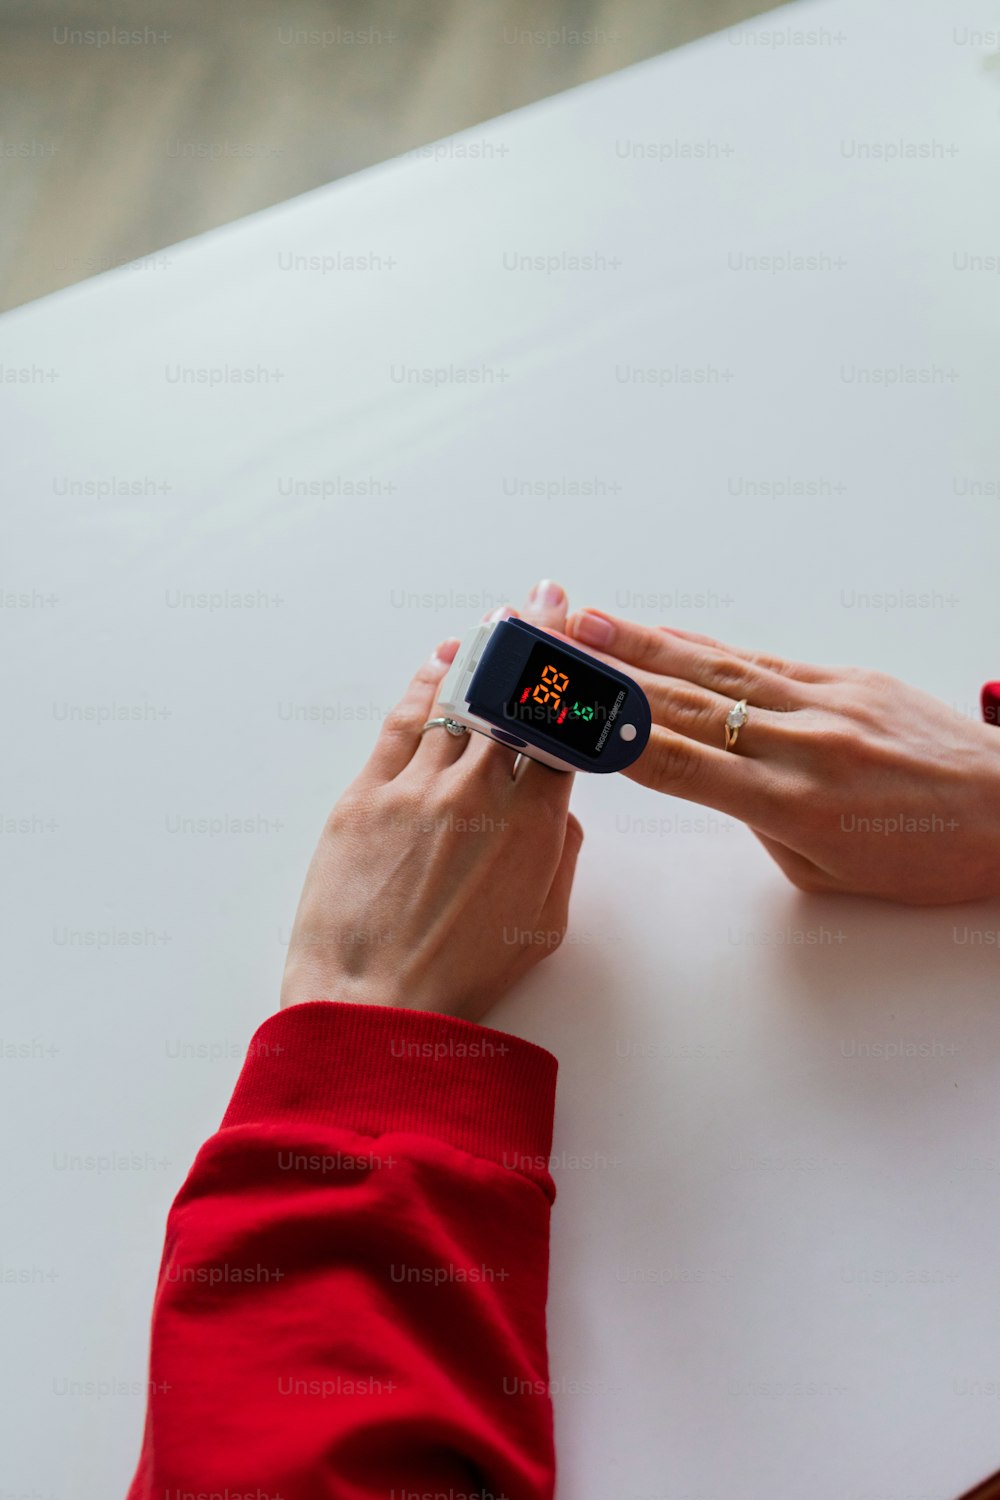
x,y
351,1301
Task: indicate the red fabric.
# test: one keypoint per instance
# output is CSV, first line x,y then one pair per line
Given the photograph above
x,y
351,1301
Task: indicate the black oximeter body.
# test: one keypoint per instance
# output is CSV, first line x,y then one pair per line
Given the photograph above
x,y
546,698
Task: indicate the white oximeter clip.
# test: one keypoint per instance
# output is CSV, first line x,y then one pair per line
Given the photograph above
x,y
453,697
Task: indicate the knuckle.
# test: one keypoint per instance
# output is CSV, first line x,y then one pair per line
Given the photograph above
x,y
427,672
842,751
794,705
337,819
397,722
726,675
346,813
859,683
770,663
690,711
699,717
857,676
672,762
425,677
877,687
833,741
692,635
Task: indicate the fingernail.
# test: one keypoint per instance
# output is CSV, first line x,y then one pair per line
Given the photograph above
x,y
444,655
500,613
547,594
594,629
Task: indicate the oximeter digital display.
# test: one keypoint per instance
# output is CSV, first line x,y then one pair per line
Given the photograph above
x,y
546,698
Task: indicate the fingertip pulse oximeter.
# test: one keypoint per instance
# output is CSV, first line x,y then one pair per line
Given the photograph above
x,y
545,698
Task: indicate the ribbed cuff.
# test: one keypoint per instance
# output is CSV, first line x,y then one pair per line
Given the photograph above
x,y
376,1069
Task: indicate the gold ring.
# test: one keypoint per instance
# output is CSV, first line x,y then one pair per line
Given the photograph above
x,y
735,719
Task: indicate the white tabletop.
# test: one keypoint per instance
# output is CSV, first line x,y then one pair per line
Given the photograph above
x,y
775,1261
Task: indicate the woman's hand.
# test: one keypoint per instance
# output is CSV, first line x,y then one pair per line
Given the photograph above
x,y
852,780
440,878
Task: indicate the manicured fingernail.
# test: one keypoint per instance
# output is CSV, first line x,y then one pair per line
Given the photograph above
x,y
547,594
595,630
444,655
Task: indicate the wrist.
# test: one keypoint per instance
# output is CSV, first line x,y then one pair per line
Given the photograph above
x,y
302,985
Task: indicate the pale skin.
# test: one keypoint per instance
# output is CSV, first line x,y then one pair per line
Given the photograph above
x,y
852,780
442,877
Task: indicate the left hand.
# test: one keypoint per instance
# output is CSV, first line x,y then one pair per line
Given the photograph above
x,y
440,878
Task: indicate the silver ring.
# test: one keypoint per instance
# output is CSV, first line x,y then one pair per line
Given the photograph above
x,y
452,726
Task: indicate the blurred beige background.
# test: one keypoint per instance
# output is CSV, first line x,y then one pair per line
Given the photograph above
x,y
125,127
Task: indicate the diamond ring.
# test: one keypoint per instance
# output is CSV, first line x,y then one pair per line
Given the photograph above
x,y
735,719
445,723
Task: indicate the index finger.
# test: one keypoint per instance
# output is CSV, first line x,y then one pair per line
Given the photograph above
x,y
400,735
698,658
709,665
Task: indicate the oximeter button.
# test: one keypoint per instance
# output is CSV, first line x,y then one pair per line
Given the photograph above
x,y
628,731
508,739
